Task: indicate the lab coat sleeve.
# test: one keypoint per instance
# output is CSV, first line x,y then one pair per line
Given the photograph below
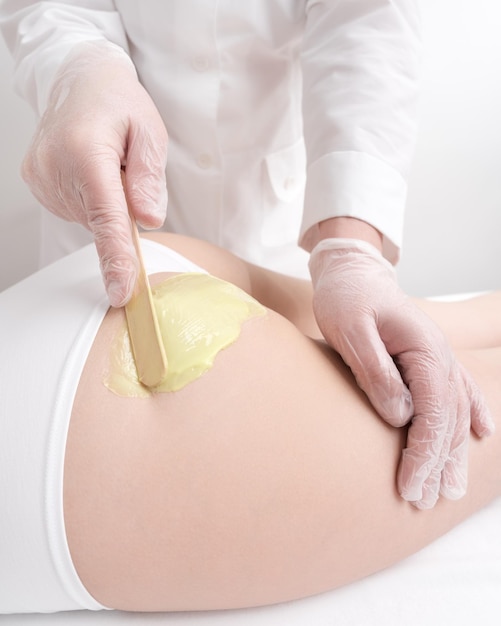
x,y
360,61
41,34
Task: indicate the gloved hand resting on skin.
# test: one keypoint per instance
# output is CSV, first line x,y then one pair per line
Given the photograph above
x,y
99,117
403,362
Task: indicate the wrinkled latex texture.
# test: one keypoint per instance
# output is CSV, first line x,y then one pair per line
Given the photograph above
x,y
403,362
99,119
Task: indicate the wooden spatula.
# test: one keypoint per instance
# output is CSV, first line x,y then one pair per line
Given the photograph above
x,y
144,331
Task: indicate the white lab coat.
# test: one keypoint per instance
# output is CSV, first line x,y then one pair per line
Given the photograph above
x,y
280,113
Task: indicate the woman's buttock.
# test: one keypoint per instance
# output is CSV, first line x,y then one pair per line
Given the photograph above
x,y
178,499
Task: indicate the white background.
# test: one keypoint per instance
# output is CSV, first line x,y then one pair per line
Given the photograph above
x,y
453,223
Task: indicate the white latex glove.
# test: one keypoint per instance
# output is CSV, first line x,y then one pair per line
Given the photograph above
x,y
403,362
98,119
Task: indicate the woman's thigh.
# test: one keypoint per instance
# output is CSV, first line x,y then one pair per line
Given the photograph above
x,y
268,478
471,323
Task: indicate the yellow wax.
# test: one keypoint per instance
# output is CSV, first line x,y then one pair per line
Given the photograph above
x,y
198,315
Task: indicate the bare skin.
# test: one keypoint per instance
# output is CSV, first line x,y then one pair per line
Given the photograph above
x,y
269,478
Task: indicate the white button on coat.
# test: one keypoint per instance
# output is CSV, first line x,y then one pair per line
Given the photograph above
x,y
204,161
200,64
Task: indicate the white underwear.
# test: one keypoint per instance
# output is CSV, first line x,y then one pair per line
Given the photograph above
x,y
47,326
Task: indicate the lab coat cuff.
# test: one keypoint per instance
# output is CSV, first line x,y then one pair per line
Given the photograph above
x,y
358,185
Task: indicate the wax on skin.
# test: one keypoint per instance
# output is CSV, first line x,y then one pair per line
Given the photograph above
x,y
199,315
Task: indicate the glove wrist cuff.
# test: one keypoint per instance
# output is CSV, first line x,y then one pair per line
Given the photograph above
x,y
346,247
348,244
